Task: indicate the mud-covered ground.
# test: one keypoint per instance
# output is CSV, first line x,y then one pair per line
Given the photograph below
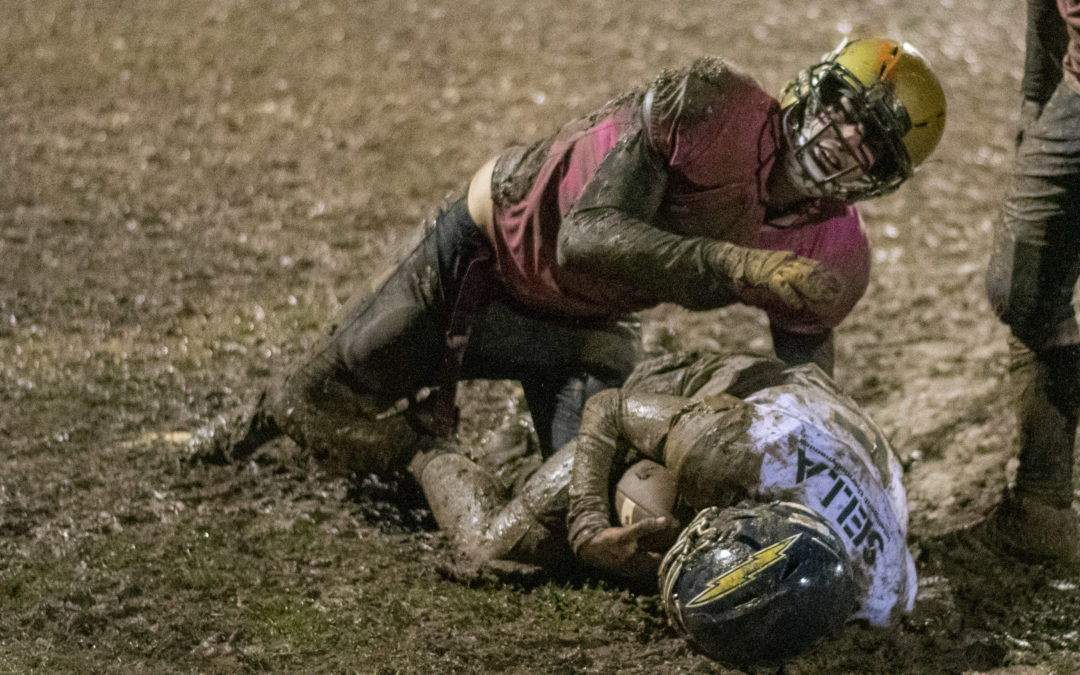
x,y
188,189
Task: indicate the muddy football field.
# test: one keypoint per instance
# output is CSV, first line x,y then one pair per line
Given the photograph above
x,y
189,190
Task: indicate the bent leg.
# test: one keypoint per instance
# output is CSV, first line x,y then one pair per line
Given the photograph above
x,y
485,523
559,363
346,399
345,430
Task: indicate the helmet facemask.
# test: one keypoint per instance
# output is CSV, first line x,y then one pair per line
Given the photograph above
x,y
845,139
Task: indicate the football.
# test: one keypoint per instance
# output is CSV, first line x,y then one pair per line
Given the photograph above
x,y
647,490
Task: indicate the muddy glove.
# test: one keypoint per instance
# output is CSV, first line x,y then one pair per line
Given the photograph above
x,y
797,281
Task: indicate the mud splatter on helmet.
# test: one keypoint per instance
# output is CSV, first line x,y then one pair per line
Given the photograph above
x,y
884,87
757,584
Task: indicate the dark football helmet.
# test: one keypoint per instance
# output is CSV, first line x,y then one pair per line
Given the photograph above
x,y
757,584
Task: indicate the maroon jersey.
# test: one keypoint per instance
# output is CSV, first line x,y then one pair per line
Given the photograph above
x,y
716,133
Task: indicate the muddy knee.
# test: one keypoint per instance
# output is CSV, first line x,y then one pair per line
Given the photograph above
x,y
464,498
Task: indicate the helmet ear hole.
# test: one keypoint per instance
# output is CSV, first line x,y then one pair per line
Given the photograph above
x,y
754,544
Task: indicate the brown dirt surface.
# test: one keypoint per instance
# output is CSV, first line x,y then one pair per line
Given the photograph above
x,y
188,190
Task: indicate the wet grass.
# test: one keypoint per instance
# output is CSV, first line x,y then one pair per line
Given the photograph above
x,y
270,586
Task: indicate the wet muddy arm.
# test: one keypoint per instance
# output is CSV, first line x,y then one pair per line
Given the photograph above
x,y
609,234
614,424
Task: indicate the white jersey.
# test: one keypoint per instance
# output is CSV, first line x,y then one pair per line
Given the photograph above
x,y
793,437
843,468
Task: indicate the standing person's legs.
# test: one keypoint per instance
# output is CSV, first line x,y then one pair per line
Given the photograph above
x,y
1033,271
1045,398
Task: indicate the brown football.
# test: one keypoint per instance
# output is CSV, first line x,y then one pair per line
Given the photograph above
x,y
647,490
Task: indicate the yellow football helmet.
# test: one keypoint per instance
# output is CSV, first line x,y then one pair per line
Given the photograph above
x,y
885,88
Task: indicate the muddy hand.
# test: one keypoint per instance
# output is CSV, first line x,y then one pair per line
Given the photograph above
x,y
616,550
799,282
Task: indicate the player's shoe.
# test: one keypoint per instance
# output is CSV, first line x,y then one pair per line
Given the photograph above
x,y
1032,530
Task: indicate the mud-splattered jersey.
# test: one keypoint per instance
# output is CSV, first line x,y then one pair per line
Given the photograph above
x,y
715,132
742,426
804,441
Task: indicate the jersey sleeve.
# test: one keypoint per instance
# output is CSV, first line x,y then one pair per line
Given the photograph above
x,y
842,246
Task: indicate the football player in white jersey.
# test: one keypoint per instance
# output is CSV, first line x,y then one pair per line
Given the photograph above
x,y
798,517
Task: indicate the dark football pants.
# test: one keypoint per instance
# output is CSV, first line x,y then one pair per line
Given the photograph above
x,y
1033,271
342,401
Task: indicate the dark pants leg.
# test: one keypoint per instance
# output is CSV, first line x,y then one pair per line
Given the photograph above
x,y
346,400
1033,271
560,363
556,403
343,402
1045,399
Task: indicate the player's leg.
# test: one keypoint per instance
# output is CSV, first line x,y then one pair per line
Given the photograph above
x,y
556,400
1044,386
346,400
1033,270
485,522
336,400
559,363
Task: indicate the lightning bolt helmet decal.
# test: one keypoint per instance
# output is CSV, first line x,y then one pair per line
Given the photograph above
x,y
743,573
757,583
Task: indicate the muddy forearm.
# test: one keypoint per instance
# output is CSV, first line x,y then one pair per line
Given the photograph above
x,y
594,451
609,234
658,266
614,424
